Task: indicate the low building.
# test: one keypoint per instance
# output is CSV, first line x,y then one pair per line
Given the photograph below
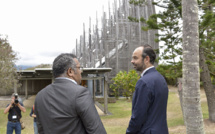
x,y
32,81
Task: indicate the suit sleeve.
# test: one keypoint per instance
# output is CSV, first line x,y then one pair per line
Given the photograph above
x,y
39,125
88,113
140,106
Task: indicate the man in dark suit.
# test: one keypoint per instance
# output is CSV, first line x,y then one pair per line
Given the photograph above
x,y
149,102
65,107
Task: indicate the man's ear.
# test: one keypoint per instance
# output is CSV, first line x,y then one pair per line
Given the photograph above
x,y
70,72
147,59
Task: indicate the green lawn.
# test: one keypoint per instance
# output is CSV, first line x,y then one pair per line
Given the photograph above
x,y
121,112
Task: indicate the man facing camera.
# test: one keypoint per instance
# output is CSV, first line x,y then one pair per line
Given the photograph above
x,y
149,102
14,116
65,107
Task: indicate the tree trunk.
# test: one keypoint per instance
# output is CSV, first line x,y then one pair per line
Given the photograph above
x,y
191,75
180,93
208,87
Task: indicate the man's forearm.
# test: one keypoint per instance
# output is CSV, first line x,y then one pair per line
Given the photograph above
x,y
7,109
21,108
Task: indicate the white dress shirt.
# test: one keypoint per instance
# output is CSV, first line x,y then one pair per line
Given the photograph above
x,y
146,70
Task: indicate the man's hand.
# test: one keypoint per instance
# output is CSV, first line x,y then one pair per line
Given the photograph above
x,y
34,115
12,101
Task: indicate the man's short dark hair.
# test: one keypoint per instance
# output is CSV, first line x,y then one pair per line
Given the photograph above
x,y
148,51
62,63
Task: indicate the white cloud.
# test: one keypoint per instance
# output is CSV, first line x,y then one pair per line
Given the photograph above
x,y
39,30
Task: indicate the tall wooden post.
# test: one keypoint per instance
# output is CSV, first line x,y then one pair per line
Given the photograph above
x,y
97,42
105,95
117,36
100,85
127,13
32,86
15,86
80,51
26,89
90,43
146,33
105,40
94,47
94,90
76,48
84,47
52,79
139,24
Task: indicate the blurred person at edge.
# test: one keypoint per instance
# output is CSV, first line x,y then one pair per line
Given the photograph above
x,y
65,107
149,102
33,115
14,109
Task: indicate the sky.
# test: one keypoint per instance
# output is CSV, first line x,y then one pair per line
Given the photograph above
x,y
40,30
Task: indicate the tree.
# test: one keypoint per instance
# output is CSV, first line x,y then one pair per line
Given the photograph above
x,y
207,52
169,73
191,75
8,75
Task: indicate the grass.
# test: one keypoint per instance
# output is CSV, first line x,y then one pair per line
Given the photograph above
x,y
174,113
117,123
120,109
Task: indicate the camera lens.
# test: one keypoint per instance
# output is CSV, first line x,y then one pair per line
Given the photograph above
x,y
16,98
16,101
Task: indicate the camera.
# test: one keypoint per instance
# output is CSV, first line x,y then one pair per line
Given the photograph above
x,y
16,98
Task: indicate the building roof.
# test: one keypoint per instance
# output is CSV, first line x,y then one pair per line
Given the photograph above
x,y
46,73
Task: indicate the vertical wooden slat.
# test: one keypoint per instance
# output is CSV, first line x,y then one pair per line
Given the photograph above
x,y
15,87
90,43
105,96
117,36
84,47
26,89
94,90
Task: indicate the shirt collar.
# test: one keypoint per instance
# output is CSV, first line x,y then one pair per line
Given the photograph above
x,y
67,79
146,70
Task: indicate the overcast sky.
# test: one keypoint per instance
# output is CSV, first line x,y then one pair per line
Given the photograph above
x,y
39,30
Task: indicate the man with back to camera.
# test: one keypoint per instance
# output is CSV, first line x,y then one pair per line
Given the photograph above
x,y
65,107
149,101
14,116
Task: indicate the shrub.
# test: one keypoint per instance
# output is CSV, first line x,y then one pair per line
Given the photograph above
x,y
126,82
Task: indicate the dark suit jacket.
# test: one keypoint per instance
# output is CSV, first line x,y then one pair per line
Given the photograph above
x,y
67,108
149,105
